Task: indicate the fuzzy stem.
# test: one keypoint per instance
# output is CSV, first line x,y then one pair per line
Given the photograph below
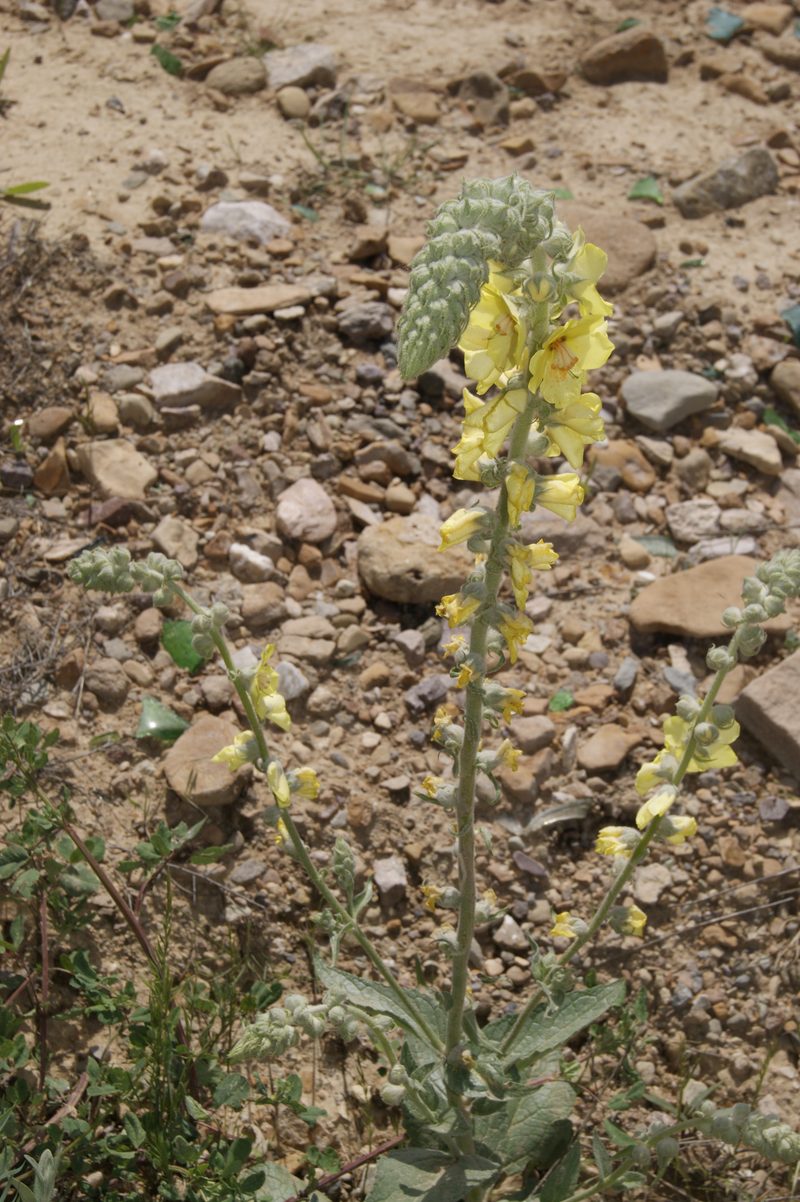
x,y
467,762
298,846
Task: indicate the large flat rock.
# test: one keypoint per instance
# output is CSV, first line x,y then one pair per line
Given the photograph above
x,y
242,302
770,709
691,603
188,767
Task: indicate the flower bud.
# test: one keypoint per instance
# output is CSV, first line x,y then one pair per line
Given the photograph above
x,y
755,612
719,659
392,1095
706,733
688,707
722,715
732,616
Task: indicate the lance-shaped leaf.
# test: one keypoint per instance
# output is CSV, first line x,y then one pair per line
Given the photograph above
x,y
377,998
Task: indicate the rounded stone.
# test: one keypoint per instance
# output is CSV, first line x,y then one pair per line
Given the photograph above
x,y
188,767
293,102
238,77
399,561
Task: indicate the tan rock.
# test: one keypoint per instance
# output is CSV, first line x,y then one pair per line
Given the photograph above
x,y
116,468
402,249
52,475
400,561
241,302
415,101
632,54
534,82
48,423
632,553
744,85
785,382
770,709
691,603
631,246
293,103
607,748
101,410
774,18
189,770
634,468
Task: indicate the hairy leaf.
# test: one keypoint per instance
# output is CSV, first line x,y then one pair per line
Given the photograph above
x,y
425,1175
547,1029
563,1177
531,1129
377,998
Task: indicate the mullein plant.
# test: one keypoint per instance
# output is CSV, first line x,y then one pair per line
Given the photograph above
x,y
488,1110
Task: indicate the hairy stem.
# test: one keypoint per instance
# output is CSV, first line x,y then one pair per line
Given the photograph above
x,y
467,762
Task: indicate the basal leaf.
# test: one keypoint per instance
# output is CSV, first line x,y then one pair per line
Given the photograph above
x,y
232,1090
426,1175
562,700
159,722
773,418
563,1177
531,1129
562,194
647,189
176,639
35,185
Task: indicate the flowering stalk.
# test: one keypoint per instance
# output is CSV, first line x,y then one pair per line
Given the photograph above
x,y
468,759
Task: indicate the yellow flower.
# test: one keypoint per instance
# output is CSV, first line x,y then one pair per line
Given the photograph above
x,y
305,783
515,629
432,895
589,264
652,772
461,526
656,806
456,644
562,928
574,427
512,704
524,561
268,702
616,841
520,487
486,427
457,608
718,754
634,922
560,494
281,833
678,829
243,750
465,675
265,680
278,783
274,710
431,784
558,370
508,756
494,341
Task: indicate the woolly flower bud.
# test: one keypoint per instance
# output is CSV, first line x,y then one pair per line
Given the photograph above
x,y
105,571
774,606
719,659
751,639
343,864
722,715
753,589
731,616
688,707
392,1095
755,612
157,575
706,733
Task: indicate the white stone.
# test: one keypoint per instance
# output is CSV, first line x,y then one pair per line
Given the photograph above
x,y
243,219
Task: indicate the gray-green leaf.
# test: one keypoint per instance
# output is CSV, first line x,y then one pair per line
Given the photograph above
x,y
425,1175
531,1129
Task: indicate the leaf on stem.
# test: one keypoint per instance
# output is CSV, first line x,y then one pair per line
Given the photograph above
x,y
159,722
530,1129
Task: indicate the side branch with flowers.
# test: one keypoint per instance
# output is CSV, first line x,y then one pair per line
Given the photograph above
x,y
488,1109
